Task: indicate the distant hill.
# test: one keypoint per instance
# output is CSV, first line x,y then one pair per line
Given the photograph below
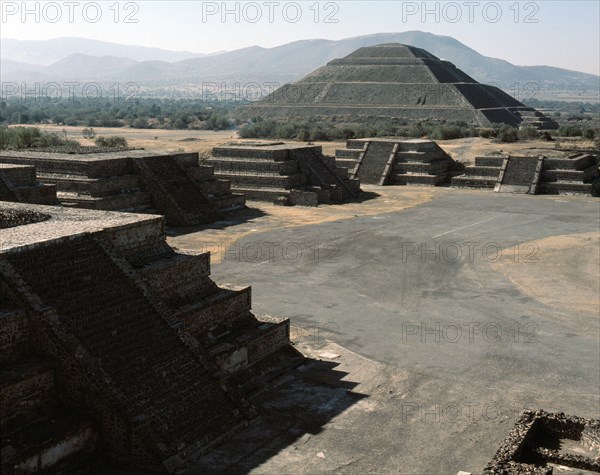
x,y
155,68
47,52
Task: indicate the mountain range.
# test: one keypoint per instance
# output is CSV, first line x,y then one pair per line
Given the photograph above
x,y
80,59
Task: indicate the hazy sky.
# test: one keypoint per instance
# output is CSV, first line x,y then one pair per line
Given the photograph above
x,y
556,33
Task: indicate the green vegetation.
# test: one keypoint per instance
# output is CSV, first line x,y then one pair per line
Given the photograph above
x,y
17,138
143,113
327,129
111,142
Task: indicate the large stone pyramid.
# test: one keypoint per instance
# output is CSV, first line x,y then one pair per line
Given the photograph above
x,y
395,81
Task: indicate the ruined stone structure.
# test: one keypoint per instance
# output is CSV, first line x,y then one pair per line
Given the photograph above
x,y
548,175
288,174
175,185
19,183
396,162
540,441
114,344
395,81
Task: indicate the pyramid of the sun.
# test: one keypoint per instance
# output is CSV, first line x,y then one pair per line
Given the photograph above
x,y
395,81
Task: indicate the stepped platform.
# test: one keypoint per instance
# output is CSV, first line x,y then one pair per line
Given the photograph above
x,y
176,185
288,174
574,175
396,162
20,183
144,371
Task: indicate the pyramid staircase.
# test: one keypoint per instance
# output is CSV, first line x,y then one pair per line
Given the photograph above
x,y
283,173
150,363
136,181
574,175
535,175
483,175
396,162
530,117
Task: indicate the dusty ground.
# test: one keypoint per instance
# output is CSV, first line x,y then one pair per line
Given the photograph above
x,y
219,237
463,150
375,397
565,274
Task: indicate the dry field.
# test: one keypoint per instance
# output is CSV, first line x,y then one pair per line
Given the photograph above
x,y
464,150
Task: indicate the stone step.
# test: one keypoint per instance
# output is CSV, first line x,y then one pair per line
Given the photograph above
x,y
585,176
26,388
251,153
57,442
216,187
463,181
493,172
417,179
264,179
434,168
230,202
242,165
347,153
489,161
346,163
258,193
578,163
116,202
565,188
92,186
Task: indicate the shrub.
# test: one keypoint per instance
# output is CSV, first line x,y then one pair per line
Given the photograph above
x,y
113,141
589,134
570,131
88,133
528,133
507,134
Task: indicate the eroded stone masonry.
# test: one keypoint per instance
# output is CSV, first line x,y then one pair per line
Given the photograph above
x,y
115,345
175,185
542,442
284,173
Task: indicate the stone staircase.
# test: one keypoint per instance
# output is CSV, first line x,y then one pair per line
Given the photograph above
x,y
186,191
484,174
140,337
396,162
533,118
283,173
575,175
520,175
174,194
578,174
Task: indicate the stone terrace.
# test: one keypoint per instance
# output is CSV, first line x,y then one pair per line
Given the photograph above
x,y
131,342
175,185
287,174
19,183
396,162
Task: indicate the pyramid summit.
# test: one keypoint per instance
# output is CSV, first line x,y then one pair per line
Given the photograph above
x,y
395,81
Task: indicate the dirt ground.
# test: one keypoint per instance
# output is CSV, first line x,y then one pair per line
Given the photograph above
x,y
463,150
261,217
565,271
